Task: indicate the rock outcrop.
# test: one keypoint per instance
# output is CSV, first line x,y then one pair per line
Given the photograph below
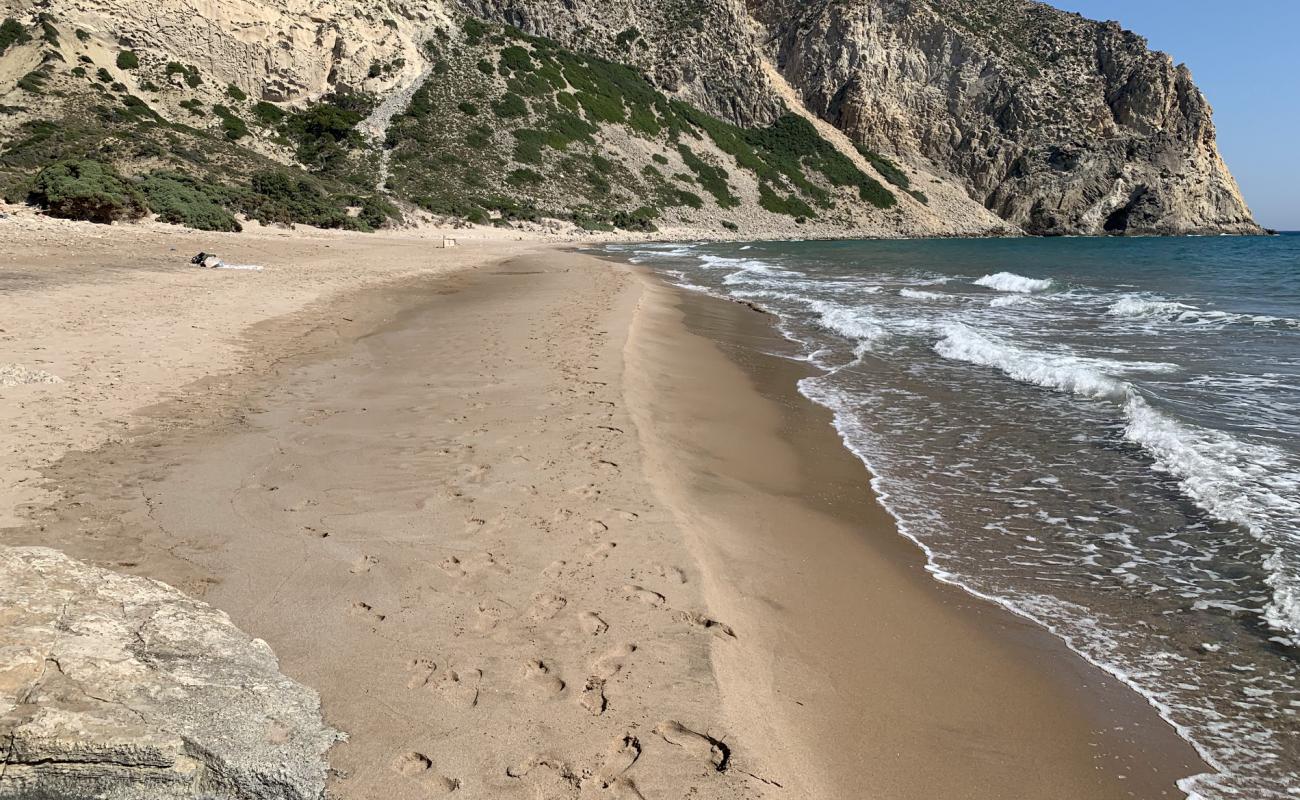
x,y
1059,124
1005,110
121,688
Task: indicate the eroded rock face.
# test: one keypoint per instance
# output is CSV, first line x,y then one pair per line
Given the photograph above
x,y
1059,124
121,688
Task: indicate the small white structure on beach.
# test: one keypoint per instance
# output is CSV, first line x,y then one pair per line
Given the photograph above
x,y
448,241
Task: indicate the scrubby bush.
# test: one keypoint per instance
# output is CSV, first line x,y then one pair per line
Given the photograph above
x,y
520,178
467,108
87,190
34,81
516,59
127,60
791,206
104,75
235,93
278,196
232,125
510,105
189,73
82,35
12,33
268,113
182,200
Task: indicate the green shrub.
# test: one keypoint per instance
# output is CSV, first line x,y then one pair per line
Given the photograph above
x,y
467,108
509,106
516,59
148,86
659,158
79,72
712,179
118,87
729,225
792,206
126,59
103,75
86,190
919,195
528,146
190,73
279,196
193,106
82,35
627,37
34,81
485,66
182,200
235,93
232,126
887,169
12,33
474,31
49,33
327,128
520,178
268,113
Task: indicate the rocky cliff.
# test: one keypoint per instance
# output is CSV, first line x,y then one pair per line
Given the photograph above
x,y
946,117
1059,124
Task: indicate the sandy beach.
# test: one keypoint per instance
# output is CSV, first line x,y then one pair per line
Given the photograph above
x,y
531,523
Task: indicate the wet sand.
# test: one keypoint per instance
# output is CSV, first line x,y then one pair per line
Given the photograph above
x,y
544,528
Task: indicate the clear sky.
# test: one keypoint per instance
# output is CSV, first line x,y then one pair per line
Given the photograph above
x,y
1245,57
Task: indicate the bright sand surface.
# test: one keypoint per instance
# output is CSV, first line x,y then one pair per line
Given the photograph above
x,y
531,523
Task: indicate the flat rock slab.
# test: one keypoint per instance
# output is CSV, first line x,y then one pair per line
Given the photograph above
x,y
117,687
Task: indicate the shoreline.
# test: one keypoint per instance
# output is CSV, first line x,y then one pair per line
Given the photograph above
x,y
622,325
814,470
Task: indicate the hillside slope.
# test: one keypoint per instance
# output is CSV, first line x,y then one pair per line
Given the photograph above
x,y
709,117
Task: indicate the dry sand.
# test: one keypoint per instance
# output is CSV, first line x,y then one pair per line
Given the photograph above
x,y
532,525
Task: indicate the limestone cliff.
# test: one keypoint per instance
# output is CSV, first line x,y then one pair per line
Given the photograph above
x,y
1059,124
983,116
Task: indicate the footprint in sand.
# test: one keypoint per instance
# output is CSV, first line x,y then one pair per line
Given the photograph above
x,y
490,613
452,566
593,696
460,687
360,609
555,570
626,516
618,759
596,527
546,605
412,764
601,551
542,681
363,565
421,671
699,745
669,573
592,624
647,596
614,661
708,623
587,491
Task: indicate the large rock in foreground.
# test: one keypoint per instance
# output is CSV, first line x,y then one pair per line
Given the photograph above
x,y
121,688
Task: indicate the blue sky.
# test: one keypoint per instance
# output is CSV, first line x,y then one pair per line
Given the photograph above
x,y
1245,57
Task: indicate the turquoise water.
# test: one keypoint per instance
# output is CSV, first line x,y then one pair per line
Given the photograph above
x,y
1101,434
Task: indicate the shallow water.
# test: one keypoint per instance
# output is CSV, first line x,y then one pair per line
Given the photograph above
x,y
1101,434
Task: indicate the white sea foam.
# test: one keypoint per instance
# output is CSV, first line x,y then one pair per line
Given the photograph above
x,y
1089,377
855,323
1010,282
1250,485
1005,300
919,294
1136,306
1246,484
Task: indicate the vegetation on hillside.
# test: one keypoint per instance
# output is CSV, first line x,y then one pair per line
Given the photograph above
x,y
508,127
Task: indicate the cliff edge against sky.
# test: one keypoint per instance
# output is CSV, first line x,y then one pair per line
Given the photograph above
x,y
867,118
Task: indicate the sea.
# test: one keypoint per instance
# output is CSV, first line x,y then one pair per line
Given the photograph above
x,y
1100,434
